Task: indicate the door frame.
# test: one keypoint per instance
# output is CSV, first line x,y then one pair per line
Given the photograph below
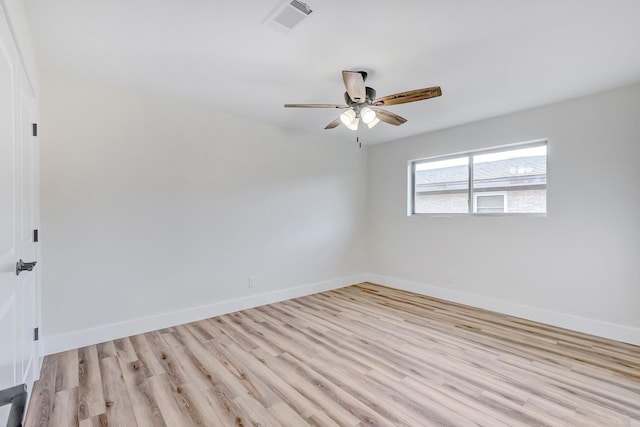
x,y
25,112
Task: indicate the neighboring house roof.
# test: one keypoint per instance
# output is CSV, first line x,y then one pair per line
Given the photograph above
x,y
519,172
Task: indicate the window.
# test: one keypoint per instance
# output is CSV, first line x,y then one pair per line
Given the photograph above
x,y
489,203
506,180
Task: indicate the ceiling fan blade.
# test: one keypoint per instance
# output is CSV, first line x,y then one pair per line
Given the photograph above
x,y
389,117
315,106
333,124
354,83
409,96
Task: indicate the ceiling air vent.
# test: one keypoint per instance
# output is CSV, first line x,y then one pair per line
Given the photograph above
x,y
288,15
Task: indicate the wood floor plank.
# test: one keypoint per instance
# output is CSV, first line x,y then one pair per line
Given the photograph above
x,y
169,402
140,344
106,349
201,411
117,399
263,334
312,391
43,394
189,363
125,349
90,396
198,331
164,354
361,355
286,415
282,385
258,414
277,385
67,373
150,364
143,402
65,408
223,402
96,421
252,383
217,368
321,419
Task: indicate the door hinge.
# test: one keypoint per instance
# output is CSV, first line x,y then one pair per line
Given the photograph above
x,y
34,129
36,334
35,236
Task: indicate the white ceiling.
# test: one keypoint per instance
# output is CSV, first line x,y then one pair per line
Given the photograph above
x,y
490,57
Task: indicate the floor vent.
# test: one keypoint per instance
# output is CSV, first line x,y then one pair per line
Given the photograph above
x,y
288,15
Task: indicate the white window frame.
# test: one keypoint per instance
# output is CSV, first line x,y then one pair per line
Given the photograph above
x,y
411,171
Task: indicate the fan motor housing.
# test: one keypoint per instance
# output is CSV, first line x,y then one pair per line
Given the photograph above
x,y
370,96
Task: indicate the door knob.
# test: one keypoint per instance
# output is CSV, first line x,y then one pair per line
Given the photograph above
x,y
24,266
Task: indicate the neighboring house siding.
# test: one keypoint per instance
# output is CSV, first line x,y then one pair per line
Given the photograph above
x,y
527,201
448,202
516,201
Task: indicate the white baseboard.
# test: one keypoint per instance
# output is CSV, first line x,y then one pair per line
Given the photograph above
x,y
576,323
90,336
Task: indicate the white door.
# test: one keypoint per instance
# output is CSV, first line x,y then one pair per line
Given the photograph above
x,y
19,361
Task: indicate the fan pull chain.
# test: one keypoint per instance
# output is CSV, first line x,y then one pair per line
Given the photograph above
x,y
358,142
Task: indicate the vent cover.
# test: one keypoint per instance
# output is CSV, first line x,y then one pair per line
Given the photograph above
x,y
288,15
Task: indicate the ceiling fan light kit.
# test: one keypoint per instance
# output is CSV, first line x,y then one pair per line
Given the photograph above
x,y
351,118
368,115
373,123
348,117
354,124
362,104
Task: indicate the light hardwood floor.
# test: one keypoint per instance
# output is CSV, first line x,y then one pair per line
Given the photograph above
x,y
362,355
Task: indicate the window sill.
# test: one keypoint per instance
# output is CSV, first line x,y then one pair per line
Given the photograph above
x,y
478,215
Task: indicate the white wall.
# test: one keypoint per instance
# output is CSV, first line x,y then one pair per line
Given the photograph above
x,y
157,212
577,267
150,206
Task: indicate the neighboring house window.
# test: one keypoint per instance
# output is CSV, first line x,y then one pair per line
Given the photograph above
x,y
505,180
490,203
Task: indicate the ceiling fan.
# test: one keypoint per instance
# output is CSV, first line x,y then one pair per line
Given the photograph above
x,y
362,104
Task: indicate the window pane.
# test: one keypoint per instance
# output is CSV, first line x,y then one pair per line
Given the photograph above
x,y
442,186
519,174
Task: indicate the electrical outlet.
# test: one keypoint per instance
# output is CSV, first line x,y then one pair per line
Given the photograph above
x,y
252,281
